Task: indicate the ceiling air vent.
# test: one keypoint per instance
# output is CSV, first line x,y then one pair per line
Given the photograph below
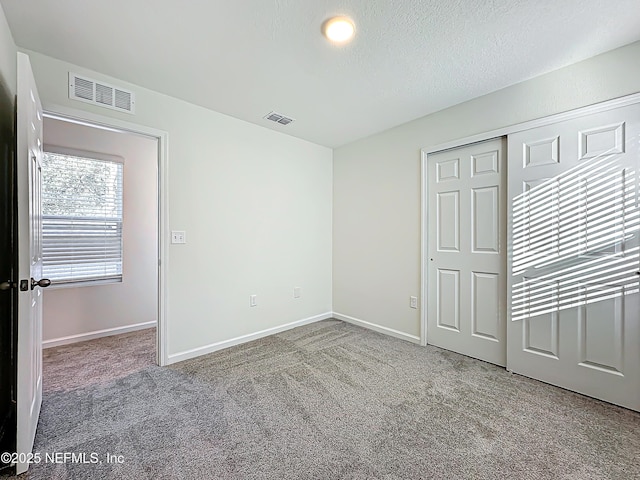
x,y
102,94
278,118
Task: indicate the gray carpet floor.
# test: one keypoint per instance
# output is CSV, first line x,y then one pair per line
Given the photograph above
x,y
324,401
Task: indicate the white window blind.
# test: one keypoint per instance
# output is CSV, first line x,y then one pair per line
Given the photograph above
x,y
82,219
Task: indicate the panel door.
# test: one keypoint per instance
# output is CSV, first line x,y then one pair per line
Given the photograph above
x,y
29,154
466,305
573,287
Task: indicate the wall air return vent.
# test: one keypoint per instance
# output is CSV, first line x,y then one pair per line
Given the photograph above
x,y
102,94
278,118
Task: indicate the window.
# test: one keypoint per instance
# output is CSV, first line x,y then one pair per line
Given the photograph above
x,y
82,219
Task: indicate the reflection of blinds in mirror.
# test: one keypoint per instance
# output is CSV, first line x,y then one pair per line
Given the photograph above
x,y
82,219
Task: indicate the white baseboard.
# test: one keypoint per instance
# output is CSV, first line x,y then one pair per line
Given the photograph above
x,y
55,342
377,328
214,347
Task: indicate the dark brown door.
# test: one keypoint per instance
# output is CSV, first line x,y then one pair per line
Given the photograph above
x,y
8,273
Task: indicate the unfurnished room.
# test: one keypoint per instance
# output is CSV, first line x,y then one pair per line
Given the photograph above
x,y
284,239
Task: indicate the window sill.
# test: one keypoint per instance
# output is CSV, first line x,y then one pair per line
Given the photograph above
x,y
85,283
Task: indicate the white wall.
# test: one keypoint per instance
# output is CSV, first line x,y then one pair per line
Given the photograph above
x,y
376,244
8,51
69,312
256,206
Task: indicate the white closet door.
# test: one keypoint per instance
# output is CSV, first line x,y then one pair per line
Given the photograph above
x,y
466,305
573,262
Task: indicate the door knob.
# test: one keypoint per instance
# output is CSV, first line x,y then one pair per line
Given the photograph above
x,y
5,286
45,282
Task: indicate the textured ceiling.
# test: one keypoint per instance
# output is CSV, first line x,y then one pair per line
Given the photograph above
x,y
245,58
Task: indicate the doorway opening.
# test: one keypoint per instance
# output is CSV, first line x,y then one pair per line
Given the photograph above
x,y
101,245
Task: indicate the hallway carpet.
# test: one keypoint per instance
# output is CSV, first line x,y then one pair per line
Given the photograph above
x,y
324,401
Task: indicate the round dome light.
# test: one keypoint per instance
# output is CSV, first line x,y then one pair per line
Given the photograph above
x,y
339,29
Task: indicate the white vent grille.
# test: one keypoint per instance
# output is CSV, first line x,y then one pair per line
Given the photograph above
x,y
104,94
100,93
83,89
124,99
278,118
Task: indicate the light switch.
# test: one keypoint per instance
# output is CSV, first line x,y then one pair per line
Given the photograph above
x,y
178,236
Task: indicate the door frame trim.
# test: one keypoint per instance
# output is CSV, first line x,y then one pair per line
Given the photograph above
x,y
71,114
480,137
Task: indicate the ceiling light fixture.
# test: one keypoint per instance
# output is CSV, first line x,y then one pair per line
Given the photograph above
x,y
339,29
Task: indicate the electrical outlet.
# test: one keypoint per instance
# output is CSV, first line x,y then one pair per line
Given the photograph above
x,y
297,292
178,236
253,300
413,302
